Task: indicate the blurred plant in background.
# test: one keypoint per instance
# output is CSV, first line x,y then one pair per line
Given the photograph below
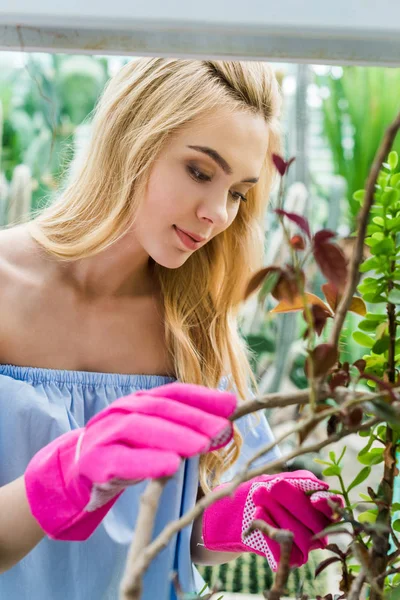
x,y
358,104
42,105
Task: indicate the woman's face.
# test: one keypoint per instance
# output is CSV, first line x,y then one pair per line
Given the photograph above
x,y
199,184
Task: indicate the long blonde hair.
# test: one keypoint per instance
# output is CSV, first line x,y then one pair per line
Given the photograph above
x,y
141,107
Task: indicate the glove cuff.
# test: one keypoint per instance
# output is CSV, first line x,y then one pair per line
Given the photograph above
x,y
57,496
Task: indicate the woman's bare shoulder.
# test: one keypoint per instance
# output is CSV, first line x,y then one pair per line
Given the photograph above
x,y
13,253
18,264
17,272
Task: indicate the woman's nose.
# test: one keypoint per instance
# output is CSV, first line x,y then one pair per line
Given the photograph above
x,y
214,210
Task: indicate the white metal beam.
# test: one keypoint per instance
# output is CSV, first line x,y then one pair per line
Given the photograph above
x,y
314,31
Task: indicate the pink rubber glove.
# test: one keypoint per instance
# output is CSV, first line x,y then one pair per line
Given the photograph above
x,y
280,501
73,482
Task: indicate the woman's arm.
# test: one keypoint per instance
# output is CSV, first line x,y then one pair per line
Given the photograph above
x,y
199,553
19,530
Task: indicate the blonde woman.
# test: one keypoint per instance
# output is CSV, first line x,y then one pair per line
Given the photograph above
x,y
121,358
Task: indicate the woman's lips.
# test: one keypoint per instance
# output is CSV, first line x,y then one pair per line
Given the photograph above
x,y
187,240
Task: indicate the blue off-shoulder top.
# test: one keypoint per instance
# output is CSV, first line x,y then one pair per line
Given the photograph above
x,y
36,406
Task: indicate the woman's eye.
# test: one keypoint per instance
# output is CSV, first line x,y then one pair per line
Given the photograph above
x,y
201,177
198,175
238,196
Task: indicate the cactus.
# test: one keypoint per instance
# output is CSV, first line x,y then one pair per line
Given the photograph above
x,y
250,574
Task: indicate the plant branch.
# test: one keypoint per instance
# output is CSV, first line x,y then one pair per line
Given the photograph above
x,y
354,273
131,584
285,538
149,553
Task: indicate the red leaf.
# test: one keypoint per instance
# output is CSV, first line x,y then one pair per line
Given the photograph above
x,y
298,219
341,378
332,263
323,236
353,417
286,288
258,278
280,164
325,563
289,162
333,298
360,364
319,315
331,294
324,358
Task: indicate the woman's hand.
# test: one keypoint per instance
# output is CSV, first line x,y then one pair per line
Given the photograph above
x,y
73,482
282,502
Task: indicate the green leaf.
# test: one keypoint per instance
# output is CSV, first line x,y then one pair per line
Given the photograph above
x,y
332,456
372,228
373,457
395,595
383,179
362,476
374,298
363,339
381,345
395,179
369,516
369,241
393,160
363,433
376,317
390,197
367,447
342,454
393,223
366,288
385,246
367,325
364,497
381,432
378,221
369,264
396,525
321,462
375,362
394,296
331,471
359,195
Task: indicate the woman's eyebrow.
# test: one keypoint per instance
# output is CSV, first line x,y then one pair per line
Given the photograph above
x,y
221,161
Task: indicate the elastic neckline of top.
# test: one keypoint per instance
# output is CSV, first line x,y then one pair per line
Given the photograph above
x,y
44,375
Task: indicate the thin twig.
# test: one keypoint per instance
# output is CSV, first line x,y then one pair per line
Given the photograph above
x,y
131,585
285,539
356,586
278,400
